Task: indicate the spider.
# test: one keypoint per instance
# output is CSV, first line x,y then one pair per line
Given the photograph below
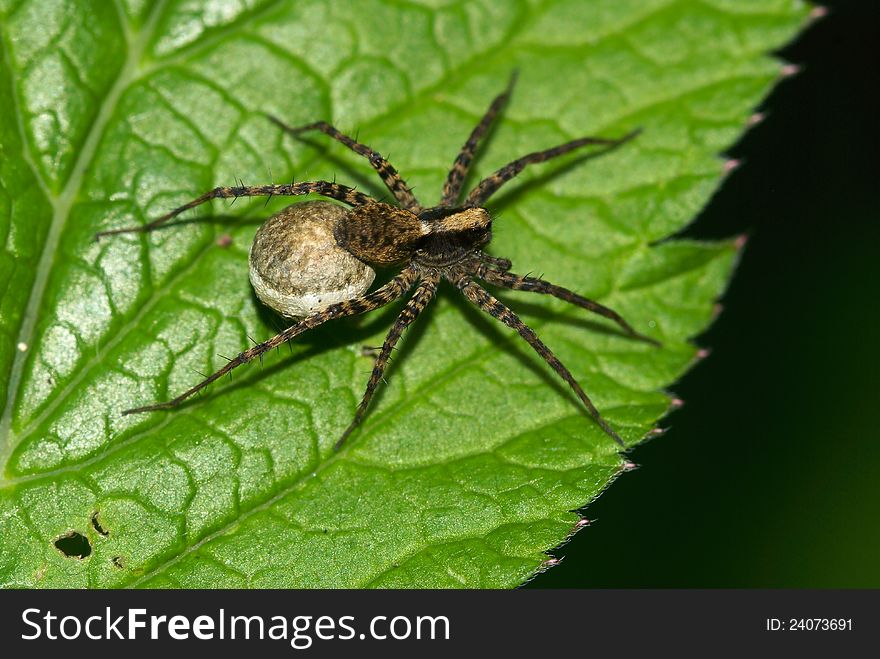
x,y
445,241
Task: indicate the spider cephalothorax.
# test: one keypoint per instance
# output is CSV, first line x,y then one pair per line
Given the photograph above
x,y
442,242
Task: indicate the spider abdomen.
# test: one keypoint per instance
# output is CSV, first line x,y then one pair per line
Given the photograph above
x,y
296,265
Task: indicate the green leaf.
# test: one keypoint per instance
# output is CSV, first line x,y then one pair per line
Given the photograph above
x,y
469,463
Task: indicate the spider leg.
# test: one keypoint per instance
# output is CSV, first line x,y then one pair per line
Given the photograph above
x,y
326,188
488,186
535,285
378,298
456,176
423,295
496,263
387,173
495,308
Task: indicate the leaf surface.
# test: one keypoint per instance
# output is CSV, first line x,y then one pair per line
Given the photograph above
x,y
470,462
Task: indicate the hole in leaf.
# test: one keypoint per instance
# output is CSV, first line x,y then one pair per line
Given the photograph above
x,y
74,545
97,525
117,562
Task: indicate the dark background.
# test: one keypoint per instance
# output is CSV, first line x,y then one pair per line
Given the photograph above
x,y
770,474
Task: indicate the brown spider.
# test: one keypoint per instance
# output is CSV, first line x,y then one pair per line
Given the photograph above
x,y
444,241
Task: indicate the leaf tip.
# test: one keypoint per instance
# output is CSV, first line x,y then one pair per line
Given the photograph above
x,y
789,70
756,118
550,562
731,164
818,12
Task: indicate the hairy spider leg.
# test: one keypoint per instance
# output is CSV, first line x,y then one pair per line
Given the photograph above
x,y
391,291
459,171
489,185
393,181
416,304
535,285
495,308
495,262
335,191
